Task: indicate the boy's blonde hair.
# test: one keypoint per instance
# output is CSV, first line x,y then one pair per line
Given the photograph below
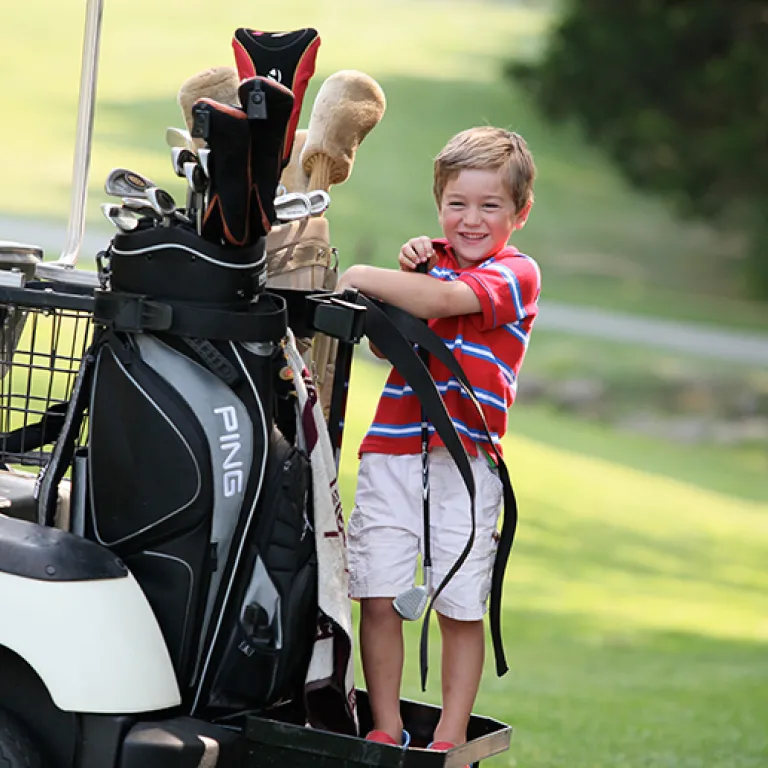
x,y
488,148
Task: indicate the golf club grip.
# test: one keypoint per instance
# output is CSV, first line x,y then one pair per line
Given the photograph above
x,y
423,268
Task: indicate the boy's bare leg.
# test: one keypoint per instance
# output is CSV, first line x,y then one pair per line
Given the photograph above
x,y
381,651
462,668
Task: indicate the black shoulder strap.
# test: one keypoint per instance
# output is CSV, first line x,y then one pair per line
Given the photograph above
x,y
419,333
395,347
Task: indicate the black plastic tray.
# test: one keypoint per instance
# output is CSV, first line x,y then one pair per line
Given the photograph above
x,y
275,744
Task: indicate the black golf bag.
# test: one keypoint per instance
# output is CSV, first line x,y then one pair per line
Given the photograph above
x,y
191,479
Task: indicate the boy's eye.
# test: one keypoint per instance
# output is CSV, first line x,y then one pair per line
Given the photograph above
x,y
455,204
491,206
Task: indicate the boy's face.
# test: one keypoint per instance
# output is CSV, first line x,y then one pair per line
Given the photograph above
x,y
477,215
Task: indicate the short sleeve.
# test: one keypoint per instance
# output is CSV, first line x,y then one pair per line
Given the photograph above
x,y
508,290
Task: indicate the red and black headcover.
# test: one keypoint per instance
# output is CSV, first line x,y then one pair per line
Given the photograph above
x,y
286,57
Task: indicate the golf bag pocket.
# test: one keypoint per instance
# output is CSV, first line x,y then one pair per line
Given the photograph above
x,y
264,656
167,479
179,265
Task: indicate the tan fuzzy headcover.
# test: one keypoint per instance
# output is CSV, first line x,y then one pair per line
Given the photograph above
x,y
294,178
347,106
217,83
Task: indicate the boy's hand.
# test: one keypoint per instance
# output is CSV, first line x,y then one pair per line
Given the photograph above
x,y
416,251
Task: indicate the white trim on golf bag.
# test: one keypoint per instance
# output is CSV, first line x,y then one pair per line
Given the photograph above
x,y
96,645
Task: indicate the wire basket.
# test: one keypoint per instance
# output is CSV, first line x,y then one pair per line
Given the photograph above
x,y
43,337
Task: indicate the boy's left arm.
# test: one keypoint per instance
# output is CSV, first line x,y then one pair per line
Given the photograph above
x,y
421,295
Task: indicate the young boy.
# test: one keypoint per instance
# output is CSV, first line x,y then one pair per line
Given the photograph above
x,y
481,298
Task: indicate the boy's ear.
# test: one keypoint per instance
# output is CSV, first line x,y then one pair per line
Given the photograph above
x,y
522,217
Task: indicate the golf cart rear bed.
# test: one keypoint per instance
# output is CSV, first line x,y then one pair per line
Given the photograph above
x,y
273,743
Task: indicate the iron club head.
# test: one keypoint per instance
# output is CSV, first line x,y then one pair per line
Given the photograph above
x,y
180,156
292,206
121,182
319,200
161,201
123,219
179,137
412,603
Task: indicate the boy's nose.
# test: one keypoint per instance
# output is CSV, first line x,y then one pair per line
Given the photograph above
x,y
472,216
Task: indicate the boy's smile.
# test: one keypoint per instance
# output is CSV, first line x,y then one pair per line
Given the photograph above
x,y
477,214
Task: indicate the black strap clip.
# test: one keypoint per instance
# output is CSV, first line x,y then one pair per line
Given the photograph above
x,y
337,315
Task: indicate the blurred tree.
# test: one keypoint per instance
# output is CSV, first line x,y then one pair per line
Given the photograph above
x,y
676,91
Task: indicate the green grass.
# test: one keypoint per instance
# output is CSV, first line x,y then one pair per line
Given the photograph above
x,y
439,64
634,608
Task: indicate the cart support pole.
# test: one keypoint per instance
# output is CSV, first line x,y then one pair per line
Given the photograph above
x,y
83,141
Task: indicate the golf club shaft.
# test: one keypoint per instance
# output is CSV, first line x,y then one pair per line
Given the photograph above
x,y
427,559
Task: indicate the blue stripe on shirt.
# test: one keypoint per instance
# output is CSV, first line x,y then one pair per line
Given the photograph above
x,y
483,353
514,287
414,430
484,396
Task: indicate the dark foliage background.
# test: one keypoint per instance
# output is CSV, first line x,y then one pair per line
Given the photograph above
x,y
676,92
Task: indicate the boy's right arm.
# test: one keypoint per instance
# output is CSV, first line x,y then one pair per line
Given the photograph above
x,y
421,295
413,253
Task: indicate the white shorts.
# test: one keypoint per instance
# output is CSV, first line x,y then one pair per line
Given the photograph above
x,y
385,533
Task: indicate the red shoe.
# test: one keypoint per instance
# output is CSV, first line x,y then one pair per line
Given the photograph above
x,y
384,738
442,746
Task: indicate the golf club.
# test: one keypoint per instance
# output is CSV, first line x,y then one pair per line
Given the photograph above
x,y
319,200
122,218
204,154
179,137
292,206
140,205
180,156
196,181
161,200
412,603
121,182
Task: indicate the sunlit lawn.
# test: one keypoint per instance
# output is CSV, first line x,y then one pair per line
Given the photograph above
x,y
439,64
635,603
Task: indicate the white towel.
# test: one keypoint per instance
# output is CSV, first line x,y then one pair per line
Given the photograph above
x,y
330,684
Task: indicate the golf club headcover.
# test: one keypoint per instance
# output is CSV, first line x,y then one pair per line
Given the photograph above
x,y
286,57
294,178
268,106
217,83
226,217
347,106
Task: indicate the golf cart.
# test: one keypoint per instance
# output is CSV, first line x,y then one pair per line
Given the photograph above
x,y
158,430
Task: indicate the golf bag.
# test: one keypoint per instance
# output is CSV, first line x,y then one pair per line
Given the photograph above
x,y
190,478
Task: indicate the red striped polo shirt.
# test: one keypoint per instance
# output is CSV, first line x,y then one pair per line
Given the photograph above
x,y
490,346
